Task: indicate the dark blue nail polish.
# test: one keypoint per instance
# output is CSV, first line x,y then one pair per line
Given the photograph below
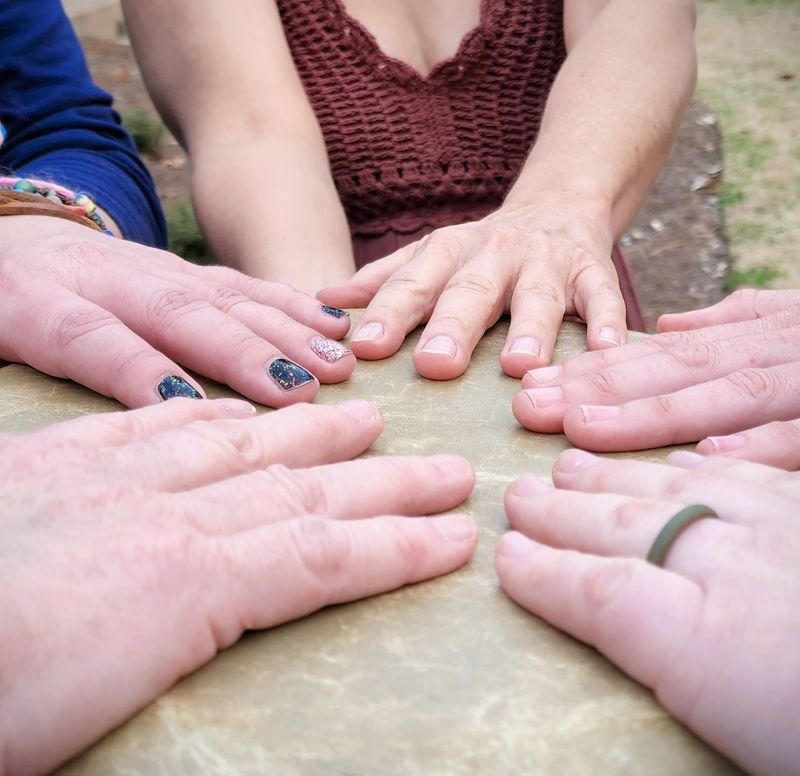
x,y
174,386
334,311
287,374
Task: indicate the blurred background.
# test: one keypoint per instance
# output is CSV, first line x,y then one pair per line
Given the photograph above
x,y
725,213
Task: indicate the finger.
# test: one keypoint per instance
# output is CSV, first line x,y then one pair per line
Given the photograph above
x,y
537,309
612,525
327,359
774,444
362,287
471,301
410,485
727,405
742,305
202,453
280,572
663,371
64,335
330,321
120,428
189,328
739,500
598,300
639,616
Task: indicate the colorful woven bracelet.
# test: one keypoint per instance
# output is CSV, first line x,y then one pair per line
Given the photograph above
x,y
79,204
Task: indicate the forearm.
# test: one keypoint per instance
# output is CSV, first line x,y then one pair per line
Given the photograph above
x,y
283,220
615,108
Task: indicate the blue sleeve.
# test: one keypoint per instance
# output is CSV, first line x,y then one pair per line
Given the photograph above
x,y
61,127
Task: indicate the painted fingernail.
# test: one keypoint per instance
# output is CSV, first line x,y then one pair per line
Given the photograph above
x,y
287,374
724,444
573,460
452,464
685,459
526,346
360,409
544,397
329,350
334,312
441,346
546,374
368,332
609,334
172,387
515,545
456,527
594,413
529,486
235,407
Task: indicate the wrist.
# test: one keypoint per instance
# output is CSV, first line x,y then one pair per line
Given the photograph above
x,y
584,193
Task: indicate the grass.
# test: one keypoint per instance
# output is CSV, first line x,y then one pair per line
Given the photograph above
x,y
146,129
185,238
750,76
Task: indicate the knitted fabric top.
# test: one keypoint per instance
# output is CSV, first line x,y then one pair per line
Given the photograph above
x,y
408,151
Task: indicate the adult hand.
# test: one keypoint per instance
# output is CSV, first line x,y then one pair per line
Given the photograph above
x,y
713,634
714,371
137,545
536,262
119,317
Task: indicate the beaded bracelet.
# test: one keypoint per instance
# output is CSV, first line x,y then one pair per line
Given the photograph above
x,y
80,205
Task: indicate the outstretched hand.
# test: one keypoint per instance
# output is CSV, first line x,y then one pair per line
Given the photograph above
x,y
715,371
127,321
714,633
137,545
537,263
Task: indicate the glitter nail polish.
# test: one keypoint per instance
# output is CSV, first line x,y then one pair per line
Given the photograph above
x,y
329,350
173,386
287,374
334,311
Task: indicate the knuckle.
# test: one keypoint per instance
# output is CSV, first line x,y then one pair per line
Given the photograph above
x,y
325,551
624,518
225,299
783,434
164,308
301,491
759,385
410,285
77,325
241,442
474,283
607,383
540,290
446,242
603,583
698,355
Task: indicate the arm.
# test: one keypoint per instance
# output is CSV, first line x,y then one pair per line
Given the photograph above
x,y
616,105
262,186
61,127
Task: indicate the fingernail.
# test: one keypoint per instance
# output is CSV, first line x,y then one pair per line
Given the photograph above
x,y
335,312
724,444
287,374
172,387
236,407
441,346
594,413
328,350
609,334
685,459
359,409
368,332
544,397
526,346
529,486
456,527
546,374
573,460
451,464
515,545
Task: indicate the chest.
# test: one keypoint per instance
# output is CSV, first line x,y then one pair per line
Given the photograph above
x,y
421,33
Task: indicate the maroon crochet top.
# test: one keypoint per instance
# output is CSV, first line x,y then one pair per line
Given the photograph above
x,y
409,151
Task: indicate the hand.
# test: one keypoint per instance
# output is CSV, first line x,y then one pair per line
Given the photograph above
x,y
537,262
739,369
137,545
119,317
714,633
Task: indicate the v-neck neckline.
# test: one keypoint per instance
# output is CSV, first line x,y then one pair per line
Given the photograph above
x,y
487,12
